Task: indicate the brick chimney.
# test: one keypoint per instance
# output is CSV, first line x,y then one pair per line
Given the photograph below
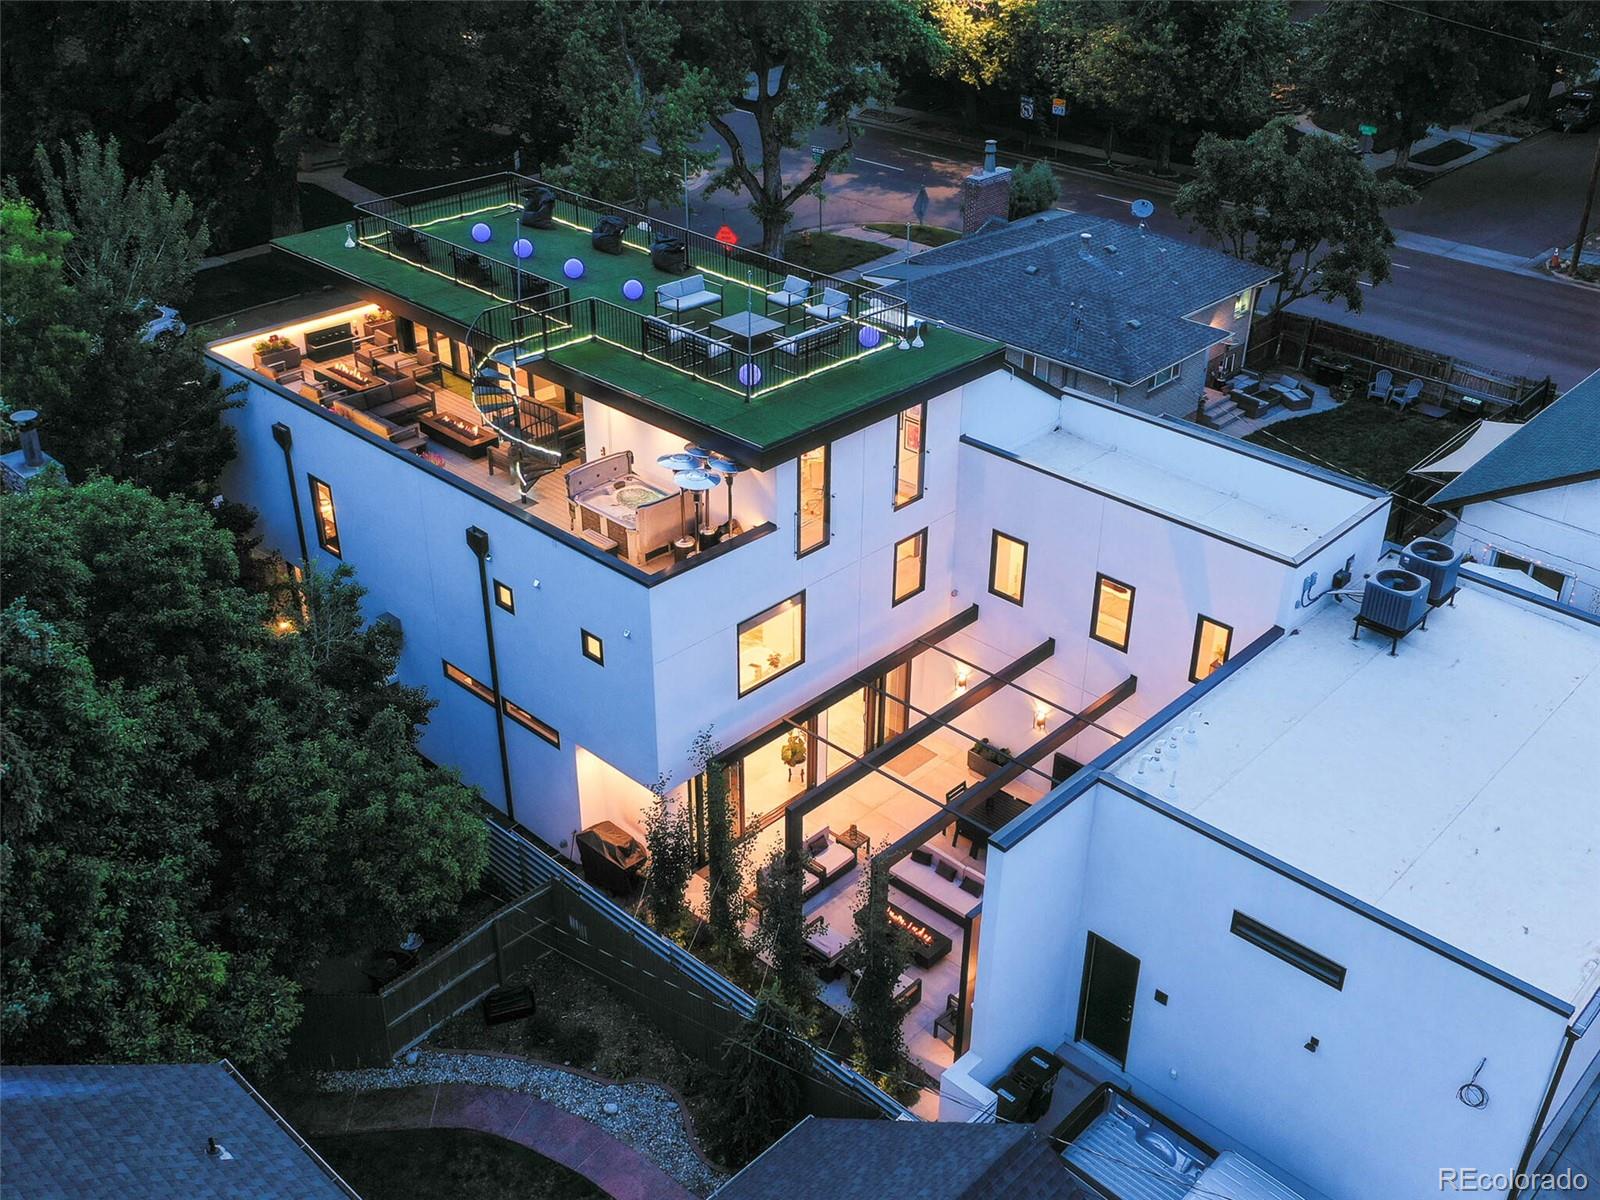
x,y
985,193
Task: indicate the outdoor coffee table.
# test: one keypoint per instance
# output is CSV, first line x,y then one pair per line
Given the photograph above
x,y
746,325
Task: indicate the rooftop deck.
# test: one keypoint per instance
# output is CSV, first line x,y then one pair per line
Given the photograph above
x,y
598,329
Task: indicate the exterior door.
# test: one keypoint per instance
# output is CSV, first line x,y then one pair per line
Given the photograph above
x,y
888,710
1105,1010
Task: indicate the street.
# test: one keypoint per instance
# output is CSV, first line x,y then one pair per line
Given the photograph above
x,y
1524,324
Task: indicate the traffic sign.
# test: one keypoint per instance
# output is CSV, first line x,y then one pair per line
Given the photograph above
x,y
1027,108
727,236
816,155
919,209
1058,107
1367,130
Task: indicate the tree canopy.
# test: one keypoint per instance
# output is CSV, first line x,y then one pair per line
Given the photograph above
x,y
1313,213
198,807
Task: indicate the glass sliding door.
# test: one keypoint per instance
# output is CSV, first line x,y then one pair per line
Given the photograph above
x,y
844,725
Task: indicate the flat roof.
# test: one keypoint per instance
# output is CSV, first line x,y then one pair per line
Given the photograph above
x,y
769,419
1450,786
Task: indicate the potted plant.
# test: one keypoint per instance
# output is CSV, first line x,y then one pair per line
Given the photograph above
x,y
983,758
277,352
793,751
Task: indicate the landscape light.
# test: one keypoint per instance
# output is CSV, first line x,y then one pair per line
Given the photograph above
x,y
868,337
522,248
573,268
963,676
481,232
632,290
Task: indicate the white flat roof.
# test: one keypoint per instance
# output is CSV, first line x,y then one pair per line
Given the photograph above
x,y
1451,786
1197,489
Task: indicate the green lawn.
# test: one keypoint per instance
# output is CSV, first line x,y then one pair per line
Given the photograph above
x,y
830,253
927,235
1370,441
448,1164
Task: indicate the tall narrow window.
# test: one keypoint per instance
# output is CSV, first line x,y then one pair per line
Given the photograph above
x,y
909,453
327,520
459,677
910,566
811,506
1008,566
1212,640
1112,618
531,723
771,643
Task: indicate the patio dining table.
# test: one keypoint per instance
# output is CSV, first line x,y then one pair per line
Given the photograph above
x,y
747,325
397,363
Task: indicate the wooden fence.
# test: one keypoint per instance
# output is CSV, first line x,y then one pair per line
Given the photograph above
x,y
341,1031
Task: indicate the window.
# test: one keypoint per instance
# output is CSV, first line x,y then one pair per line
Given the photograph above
x,y
530,722
327,520
593,648
771,643
1547,577
457,676
1241,306
1211,642
910,566
504,597
1008,566
811,506
1163,377
909,453
1292,952
1113,612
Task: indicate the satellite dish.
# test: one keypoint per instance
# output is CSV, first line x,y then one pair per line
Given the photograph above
x,y
1143,209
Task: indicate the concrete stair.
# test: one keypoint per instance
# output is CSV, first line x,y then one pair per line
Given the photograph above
x,y
1221,413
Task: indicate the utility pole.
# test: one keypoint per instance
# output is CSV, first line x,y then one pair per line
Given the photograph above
x,y
1588,206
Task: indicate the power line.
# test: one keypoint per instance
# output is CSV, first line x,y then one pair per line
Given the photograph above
x,y
1438,16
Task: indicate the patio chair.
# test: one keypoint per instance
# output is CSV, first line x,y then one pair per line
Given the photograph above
x,y
606,236
538,209
833,305
669,254
792,294
1382,384
1403,396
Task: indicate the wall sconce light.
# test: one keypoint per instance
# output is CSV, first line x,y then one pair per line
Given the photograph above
x,y
963,676
1040,712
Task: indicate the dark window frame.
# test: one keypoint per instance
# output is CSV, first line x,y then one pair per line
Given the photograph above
x,y
467,683
827,499
1263,937
738,638
1100,578
509,603
531,723
599,656
922,454
332,545
994,561
922,568
1200,622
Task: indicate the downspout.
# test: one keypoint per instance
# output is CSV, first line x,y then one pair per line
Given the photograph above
x,y
284,436
478,542
1569,1039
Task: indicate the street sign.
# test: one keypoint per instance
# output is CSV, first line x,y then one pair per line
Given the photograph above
x,y
1058,107
1027,108
816,155
1366,130
919,209
727,236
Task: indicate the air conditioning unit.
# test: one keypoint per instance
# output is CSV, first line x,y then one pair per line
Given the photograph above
x,y
1436,562
1394,601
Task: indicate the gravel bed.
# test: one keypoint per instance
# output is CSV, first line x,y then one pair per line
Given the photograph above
x,y
643,1115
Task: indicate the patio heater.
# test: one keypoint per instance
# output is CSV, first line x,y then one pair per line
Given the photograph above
x,y
727,468
698,481
677,464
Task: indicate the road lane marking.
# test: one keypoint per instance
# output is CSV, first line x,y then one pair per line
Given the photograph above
x,y
1402,266
1363,283
874,163
1118,199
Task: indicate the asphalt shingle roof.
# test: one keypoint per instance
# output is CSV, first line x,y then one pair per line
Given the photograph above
x,y
1113,304
932,1160
1560,445
139,1133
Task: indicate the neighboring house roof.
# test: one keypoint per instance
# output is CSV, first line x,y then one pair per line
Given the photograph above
x,y
1114,304
929,1160
1559,446
139,1133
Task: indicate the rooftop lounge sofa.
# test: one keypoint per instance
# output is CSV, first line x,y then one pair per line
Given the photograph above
x,y
944,883
686,294
826,858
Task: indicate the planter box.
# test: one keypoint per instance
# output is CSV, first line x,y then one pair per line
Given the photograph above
x,y
280,360
979,765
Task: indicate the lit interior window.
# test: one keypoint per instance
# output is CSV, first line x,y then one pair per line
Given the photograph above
x,y
910,566
593,648
771,643
1211,642
504,597
908,457
1113,612
1008,566
327,519
812,532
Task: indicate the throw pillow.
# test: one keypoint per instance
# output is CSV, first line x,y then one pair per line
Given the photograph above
x,y
946,870
817,844
971,886
922,857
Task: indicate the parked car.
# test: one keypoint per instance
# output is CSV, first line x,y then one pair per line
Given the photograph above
x,y
1579,112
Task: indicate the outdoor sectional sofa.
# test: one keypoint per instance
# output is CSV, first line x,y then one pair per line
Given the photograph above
x,y
944,883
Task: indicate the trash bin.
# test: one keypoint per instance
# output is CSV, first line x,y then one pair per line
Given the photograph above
x,y
1037,1070
1329,370
1013,1099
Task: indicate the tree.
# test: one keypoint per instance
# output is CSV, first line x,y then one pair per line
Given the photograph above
x,y
879,953
132,242
670,841
792,68
198,808
148,412
761,1092
1034,189
781,926
1398,66
981,43
1166,65
1313,215
726,853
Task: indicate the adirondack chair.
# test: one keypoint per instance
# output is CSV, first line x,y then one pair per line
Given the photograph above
x,y
1382,384
1403,396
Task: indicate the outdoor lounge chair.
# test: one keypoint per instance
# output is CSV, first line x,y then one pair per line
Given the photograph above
x,y
1404,396
792,294
833,305
606,236
1382,384
668,253
538,209
682,295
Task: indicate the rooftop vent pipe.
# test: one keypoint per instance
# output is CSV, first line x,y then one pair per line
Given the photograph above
x,y
26,422
989,164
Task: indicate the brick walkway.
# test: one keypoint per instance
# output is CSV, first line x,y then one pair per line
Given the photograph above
x,y
617,1169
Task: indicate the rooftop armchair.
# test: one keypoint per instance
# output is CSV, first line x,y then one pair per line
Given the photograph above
x,y
792,294
833,305
684,295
